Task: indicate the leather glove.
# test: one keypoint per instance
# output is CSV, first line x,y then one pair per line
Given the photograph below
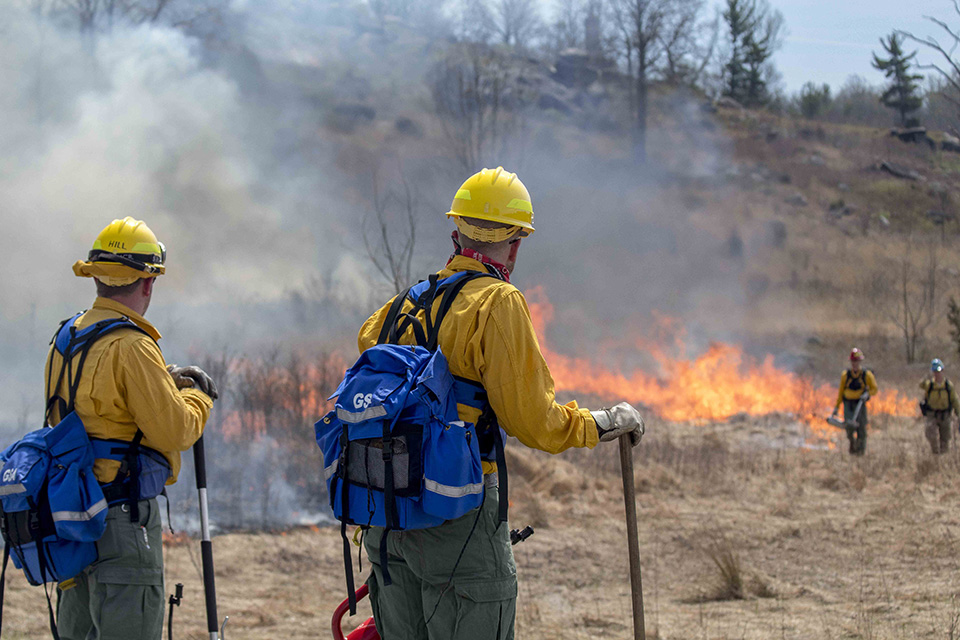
x,y
836,410
620,419
187,377
865,396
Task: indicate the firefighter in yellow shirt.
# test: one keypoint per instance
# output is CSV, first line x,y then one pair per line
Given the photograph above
x,y
126,393
939,401
856,384
442,587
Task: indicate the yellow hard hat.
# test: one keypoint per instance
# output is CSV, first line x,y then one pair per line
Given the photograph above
x,y
495,195
124,252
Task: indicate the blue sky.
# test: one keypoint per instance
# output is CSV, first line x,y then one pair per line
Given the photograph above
x,y
829,41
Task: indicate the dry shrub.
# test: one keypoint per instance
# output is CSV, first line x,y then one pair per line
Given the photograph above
x,y
830,482
926,467
535,515
656,478
858,480
727,562
523,464
783,509
563,487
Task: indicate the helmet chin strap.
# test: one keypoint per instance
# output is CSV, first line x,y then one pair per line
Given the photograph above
x,y
457,247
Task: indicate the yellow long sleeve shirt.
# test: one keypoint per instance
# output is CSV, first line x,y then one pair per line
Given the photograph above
x,y
846,393
488,337
938,397
125,385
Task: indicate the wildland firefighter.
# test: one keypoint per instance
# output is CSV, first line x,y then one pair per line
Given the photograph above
x,y
139,414
857,386
939,401
457,580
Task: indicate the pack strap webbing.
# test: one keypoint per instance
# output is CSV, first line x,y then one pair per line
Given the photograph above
x,y
948,387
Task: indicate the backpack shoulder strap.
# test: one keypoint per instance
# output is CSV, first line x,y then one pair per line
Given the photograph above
x,y
447,301
71,342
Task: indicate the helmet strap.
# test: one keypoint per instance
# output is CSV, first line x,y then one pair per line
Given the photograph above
x,y
482,234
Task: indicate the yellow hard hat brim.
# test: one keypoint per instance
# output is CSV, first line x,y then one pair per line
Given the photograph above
x,y
114,271
526,226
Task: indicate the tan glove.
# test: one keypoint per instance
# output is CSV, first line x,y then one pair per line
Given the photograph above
x,y
620,419
193,377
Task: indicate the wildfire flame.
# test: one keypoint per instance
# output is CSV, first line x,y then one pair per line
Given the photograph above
x,y
718,384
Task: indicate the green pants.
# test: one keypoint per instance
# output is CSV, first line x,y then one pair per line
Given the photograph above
x,y
479,603
120,596
856,435
938,431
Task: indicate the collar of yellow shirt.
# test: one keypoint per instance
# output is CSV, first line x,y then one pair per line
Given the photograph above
x,y
107,304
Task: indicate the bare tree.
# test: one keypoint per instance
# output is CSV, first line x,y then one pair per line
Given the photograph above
x,y
567,29
475,23
688,43
910,301
949,68
390,229
516,23
481,105
90,16
641,24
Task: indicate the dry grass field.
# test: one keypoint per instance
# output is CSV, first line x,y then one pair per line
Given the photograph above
x,y
742,536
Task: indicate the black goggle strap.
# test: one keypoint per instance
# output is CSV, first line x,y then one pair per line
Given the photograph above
x,y
139,261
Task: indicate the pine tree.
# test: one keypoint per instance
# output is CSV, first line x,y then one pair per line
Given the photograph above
x,y
754,31
757,53
902,95
739,16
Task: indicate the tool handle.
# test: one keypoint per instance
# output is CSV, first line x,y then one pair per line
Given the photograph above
x,y
206,546
633,537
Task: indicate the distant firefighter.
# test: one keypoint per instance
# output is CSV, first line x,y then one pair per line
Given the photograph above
x,y
857,385
939,400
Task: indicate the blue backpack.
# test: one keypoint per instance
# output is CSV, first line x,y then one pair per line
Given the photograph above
x,y
396,454
52,508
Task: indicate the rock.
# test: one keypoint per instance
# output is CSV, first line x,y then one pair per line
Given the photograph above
x,y
408,127
777,233
574,69
726,102
884,221
816,160
915,135
950,143
843,186
797,200
939,217
814,341
784,178
899,171
551,101
839,209
733,247
345,118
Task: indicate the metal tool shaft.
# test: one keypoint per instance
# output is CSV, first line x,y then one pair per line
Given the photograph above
x,y
206,546
633,538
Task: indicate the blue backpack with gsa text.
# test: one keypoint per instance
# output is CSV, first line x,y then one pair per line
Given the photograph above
x,y
52,508
396,453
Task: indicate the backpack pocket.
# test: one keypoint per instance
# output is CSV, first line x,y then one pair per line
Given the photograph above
x,y
77,505
451,490
23,474
366,468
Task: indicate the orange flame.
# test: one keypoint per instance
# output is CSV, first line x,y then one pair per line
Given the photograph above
x,y
721,382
